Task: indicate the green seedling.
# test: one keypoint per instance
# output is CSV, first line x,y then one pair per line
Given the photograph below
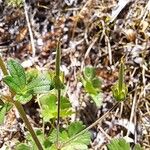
x,y
92,84
120,89
17,82
15,3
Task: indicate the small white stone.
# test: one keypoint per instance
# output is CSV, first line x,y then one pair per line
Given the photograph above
x,y
138,60
40,42
27,63
64,69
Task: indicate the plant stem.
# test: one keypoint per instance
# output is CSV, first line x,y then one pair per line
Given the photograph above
x,y
121,75
58,115
58,53
91,126
2,65
19,108
26,121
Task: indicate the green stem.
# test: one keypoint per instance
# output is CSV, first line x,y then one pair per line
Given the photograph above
x,y
121,75
58,53
58,115
26,121
4,70
20,108
2,65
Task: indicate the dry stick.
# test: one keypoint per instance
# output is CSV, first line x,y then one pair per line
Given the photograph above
x,y
20,108
30,31
132,111
92,125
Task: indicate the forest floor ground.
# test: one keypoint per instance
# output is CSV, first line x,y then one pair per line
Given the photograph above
x,y
92,32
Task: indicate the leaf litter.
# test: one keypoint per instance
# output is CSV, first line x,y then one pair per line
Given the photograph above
x,y
92,32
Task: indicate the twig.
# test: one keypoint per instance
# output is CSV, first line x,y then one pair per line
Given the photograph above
x,y
132,111
30,30
109,50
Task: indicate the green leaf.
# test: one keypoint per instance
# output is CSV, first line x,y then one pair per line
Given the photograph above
x,y
2,114
96,82
39,85
137,147
118,144
119,95
17,78
10,81
22,146
23,99
65,104
97,99
120,89
63,136
24,87
4,108
32,74
89,88
75,146
89,73
45,142
75,128
17,72
49,107
79,142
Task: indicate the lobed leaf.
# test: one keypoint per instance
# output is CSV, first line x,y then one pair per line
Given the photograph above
x,y
89,72
17,72
22,146
118,144
39,85
13,85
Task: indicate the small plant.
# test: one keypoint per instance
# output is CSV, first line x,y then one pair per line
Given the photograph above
x,y
15,3
24,86
120,89
92,84
48,104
